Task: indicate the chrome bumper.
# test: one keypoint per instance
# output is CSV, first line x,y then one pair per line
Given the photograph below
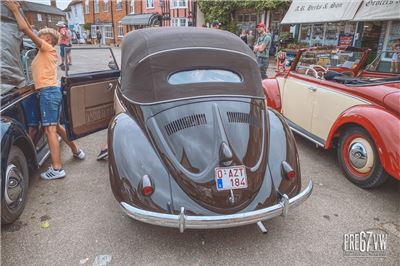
x,y
183,221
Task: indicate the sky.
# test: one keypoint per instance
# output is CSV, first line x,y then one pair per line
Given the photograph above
x,y
61,4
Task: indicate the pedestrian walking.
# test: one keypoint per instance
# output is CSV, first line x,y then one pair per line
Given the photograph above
x,y
394,64
98,37
68,52
44,73
64,42
243,36
250,39
261,48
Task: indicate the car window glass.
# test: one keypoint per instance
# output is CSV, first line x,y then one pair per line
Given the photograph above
x,y
329,59
204,76
385,65
87,60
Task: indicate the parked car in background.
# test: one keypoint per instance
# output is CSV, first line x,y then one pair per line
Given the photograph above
x,y
328,97
192,144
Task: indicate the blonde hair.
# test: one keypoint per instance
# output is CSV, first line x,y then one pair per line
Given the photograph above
x,y
52,32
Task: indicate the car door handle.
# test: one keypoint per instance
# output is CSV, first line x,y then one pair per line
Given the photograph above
x,y
110,86
313,89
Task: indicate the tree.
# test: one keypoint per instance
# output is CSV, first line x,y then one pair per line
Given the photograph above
x,y
222,10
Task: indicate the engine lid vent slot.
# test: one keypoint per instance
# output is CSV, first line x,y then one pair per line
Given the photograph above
x,y
185,122
237,117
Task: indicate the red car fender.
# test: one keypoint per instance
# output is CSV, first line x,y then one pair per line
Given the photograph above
x,y
384,129
272,93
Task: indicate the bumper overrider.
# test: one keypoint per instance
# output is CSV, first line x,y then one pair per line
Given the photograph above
x,y
183,221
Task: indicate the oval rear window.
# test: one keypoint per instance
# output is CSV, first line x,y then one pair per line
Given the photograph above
x,y
204,76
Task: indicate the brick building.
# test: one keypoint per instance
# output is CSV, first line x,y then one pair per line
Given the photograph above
x,y
42,15
170,13
106,16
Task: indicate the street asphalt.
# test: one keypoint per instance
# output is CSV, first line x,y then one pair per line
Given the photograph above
x,y
77,221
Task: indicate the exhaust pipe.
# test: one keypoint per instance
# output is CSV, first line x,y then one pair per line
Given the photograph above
x,y
262,227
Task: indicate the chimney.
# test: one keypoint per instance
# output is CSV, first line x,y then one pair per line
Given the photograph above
x,y
53,3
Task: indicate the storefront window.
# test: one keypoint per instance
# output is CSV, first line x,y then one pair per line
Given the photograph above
x,y
326,34
317,34
305,33
393,40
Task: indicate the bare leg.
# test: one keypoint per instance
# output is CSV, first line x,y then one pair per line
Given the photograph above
x,y
69,58
63,134
51,133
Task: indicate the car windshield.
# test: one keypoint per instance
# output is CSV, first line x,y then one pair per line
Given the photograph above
x,y
330,58
204,76
386,62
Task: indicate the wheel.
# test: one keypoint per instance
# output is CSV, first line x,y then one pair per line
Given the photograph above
x,y
359,160
16,180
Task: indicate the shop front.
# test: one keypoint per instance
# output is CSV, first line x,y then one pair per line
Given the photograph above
x,y
379,21
370,23
319,23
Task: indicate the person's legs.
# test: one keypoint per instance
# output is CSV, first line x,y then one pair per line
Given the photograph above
x,y
262,66
54,146
62,53
78,153
50,103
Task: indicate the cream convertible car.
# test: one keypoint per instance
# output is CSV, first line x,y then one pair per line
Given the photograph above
x,y
326,97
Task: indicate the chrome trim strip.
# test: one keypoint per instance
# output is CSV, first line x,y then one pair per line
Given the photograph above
x,y
190,98
183,221
194,48
306,136
18,100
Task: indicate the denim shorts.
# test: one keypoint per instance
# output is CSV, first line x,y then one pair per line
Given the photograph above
x,y
32,110
50,101
62,49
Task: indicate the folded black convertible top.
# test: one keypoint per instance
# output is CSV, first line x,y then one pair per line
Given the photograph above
x,y
150,56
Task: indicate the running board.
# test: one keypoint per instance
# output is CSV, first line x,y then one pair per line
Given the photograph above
x,y
302,132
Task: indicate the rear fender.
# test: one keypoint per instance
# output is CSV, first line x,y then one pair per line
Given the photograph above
x,y
272,93
131,156
382,126
282,147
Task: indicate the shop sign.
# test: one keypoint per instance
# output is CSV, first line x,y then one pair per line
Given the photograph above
x,y
345,39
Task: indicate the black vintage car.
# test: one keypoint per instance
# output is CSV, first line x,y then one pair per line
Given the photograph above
x,y
192,144
23,148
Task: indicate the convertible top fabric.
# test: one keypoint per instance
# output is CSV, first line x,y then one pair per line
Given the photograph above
x,y
150,56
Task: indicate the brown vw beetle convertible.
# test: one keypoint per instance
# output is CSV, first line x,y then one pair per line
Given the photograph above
x,y
192,144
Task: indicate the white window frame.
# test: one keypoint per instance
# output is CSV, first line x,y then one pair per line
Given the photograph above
x,y
93,30
105,4
96,6
132,6
87,7
108,32
118,5
39,17
74,10
120,30
49,18
148,2
176,22
177,4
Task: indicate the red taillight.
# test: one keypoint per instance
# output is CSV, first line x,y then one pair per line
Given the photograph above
x,y
147,185
147,191
288,171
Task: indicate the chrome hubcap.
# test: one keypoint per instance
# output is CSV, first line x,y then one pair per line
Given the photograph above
x,y
14,186
358,155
